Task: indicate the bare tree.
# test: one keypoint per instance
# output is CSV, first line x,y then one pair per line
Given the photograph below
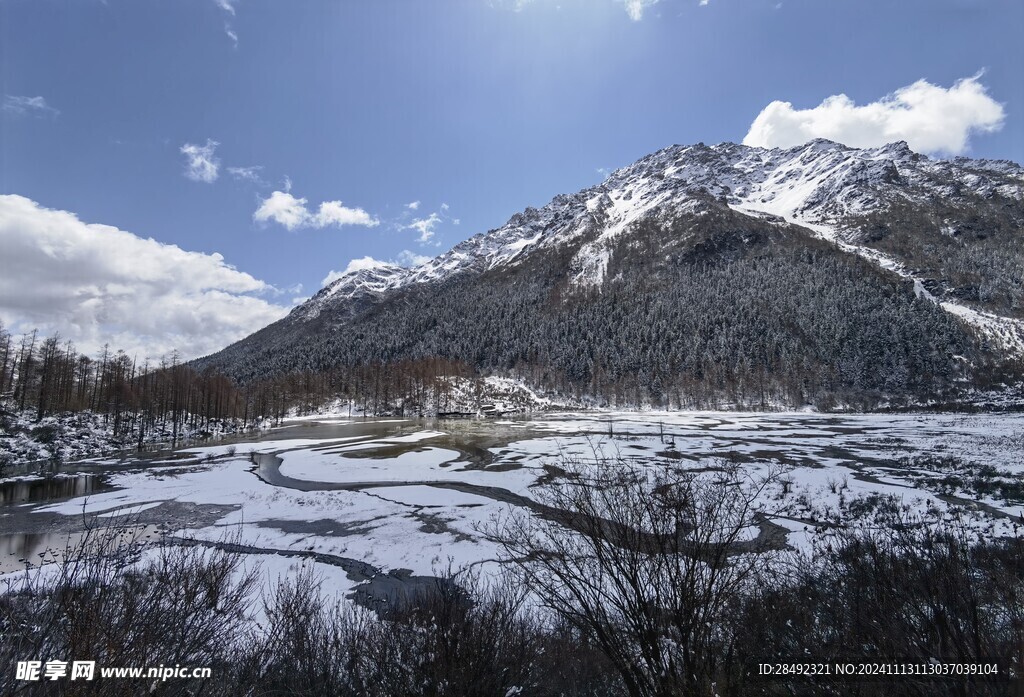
x,y
109,598
646,561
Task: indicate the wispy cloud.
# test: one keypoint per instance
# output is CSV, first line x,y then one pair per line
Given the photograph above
x,y
635,8
28,106
410,258
514,5
930,118
425,226
228,6
202,164
292,212
251,174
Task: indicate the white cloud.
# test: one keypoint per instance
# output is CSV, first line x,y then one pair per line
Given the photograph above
x,y
425,226
409,258
331,277
364,263
333,213
27,106
361,264
406,258
203,165
251,174
283,208
290,211
415,205
97,284
932,119
226,5
635,8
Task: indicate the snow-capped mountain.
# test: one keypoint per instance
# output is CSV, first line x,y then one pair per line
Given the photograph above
x,y
952,230
824,185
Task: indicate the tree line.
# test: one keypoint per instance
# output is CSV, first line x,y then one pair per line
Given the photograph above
x,y
46,376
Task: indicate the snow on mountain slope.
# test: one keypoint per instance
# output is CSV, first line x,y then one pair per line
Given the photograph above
x,y
820,192
822,186
355,284
821,182
1005,332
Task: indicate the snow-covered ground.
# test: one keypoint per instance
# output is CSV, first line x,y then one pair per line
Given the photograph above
x,y
417,495
75,435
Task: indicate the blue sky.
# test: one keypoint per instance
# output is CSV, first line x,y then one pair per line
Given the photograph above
x,y
473,108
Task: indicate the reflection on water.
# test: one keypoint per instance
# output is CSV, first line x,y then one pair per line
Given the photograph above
x,y
18,548
21,550
49,488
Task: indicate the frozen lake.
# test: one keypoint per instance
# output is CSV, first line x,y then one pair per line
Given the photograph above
x,y
388,498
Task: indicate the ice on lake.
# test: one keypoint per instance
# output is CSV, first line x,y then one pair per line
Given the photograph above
x,y
418,495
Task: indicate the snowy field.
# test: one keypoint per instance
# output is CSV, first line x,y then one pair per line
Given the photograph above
x,y
359,498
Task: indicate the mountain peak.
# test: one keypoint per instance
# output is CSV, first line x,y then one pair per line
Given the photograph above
x,y
930,238
363,277
819,183
822,144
